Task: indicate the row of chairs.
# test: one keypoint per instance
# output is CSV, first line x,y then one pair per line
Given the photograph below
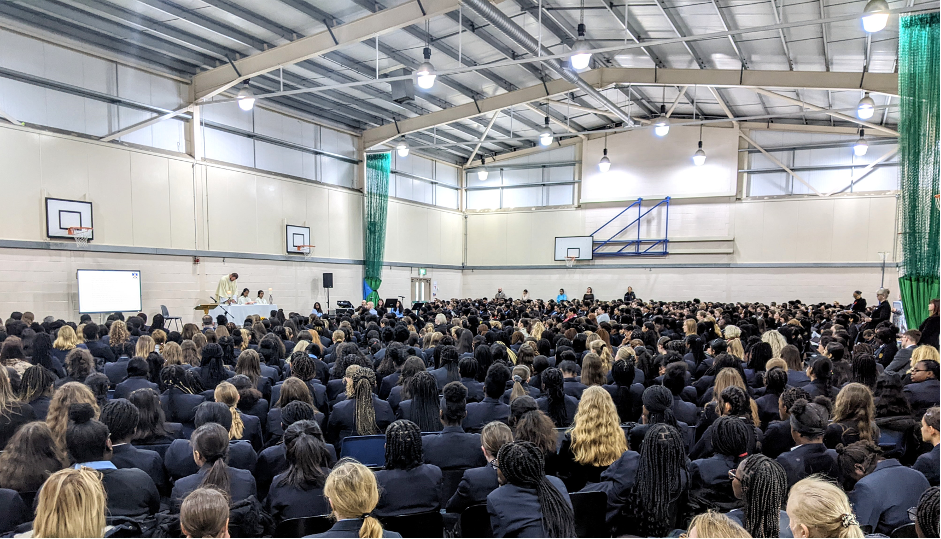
x,y
589,509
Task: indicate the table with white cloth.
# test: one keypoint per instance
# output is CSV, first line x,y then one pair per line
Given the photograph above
x,y
238,313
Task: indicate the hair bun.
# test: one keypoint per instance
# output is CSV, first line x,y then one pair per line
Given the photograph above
x,y
454,392
799,407
81,412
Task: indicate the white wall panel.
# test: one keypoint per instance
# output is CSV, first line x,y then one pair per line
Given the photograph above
x,y
109,188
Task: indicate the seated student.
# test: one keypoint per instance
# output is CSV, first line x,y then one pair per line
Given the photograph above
x,y
475,390
36,387
121,418
422,406
477,483
928,463
453,449
273,460
396,355
820,374
674,379
923,392
412,366
352,492
854,417
778,437
182,396
72,503
293,389
761,484
520,381
884,488
528,503
733,401
449,371
205,513
210,444
137,371
489,409
15,511
775,384
362,412
626,393
572,386
711,486
13,413
926,514
152,429
298,491
657,408
808,423
244,426
130,491
99,350
117,371
406,484
715,525
559,406
178,459
593,443
304,368
818,508
29,458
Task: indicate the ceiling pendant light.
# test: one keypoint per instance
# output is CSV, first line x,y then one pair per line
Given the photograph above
x,y
861,146
402,148
866,107
482,173
700,156
662,126
545,137
605,163
875,15
580,51
425,74
246,97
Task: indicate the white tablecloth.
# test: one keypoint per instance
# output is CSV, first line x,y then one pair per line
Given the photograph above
x,y
238,313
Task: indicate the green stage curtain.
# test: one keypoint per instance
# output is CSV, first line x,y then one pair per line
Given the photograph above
x,y
377,202
919,93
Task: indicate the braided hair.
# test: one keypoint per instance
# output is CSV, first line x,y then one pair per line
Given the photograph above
x,y
926,516
455,403
740,404
791,395
523,464
359,387
425,409
553,382
37,381
403,445
862,453
764,486
776,381
658,401
662,457
730,436
449,357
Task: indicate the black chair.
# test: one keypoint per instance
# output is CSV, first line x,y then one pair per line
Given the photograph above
x,y
450,479
589,509
368,450
475,522
427,524
908,530
560,437
167,318
300,527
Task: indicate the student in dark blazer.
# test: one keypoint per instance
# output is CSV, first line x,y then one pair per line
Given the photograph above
x,y
351,489
298,491
930,462
273,459
117,371
131,492
210,452
15,510
528,503
778,437
709,477
808,425
407,485
178,459
475,390
137,371
617,482
102,353
489,409
182,397
477,483
884,488
923,392
293,389
349,416
520,376
572,386
453,450
121,417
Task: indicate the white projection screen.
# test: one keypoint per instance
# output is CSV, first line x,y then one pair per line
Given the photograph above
x,y
108,291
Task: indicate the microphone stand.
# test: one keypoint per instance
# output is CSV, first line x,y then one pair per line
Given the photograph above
x,y
222,306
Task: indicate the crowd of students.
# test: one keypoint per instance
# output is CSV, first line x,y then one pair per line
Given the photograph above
x,y
709,419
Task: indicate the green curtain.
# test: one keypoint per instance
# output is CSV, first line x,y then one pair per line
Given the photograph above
x,y
377,201
919,95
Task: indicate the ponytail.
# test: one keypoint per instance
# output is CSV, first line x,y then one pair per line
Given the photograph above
x,y
237,426
305,453
518,390
211,441
371,527
227,394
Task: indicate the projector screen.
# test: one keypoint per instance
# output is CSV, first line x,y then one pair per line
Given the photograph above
x,y
108,291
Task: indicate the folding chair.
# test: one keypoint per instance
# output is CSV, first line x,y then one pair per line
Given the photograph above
x,y
300,527
167,318
368,450
475,521
589,509
428,524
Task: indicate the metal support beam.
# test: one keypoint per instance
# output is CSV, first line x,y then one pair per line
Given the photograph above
x,y
775,160
840,115
9,118
214,81
482,137
140,125
869,169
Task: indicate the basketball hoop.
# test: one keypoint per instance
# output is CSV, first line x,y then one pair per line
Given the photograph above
x,y
81,235
570,261
307,250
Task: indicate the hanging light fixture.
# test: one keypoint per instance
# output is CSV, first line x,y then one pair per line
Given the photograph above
x,y
402,148
662,126
545,137
580,50
700,156
605,163
425,74
861,146
246,97
866,107
482,173
875,15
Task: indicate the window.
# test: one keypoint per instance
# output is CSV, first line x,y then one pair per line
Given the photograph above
x,y
541,179
424,180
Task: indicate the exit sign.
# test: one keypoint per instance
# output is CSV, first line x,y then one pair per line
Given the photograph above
x,y
422,271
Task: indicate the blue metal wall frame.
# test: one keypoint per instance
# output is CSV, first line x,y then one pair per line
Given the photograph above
x,y
635,247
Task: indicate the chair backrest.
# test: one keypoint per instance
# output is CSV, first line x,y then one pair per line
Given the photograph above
x,y
299,527
428,524
908,530
475,521
451,479
368,450
559,438
164,311
589,509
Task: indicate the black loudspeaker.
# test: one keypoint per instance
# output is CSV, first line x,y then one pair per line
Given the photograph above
x,y
328,280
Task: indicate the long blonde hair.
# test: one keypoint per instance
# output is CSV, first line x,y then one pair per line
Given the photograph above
x,y
145,345
925,353
246,338
712,524
72,503
823,507
66,339
117,333
353,492
690,327
537,330
597,438
58,415
604,352
228,395
776,340
190,353
733,336
172,354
